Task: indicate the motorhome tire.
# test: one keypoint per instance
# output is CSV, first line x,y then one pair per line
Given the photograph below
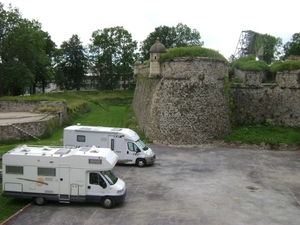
x,y
140,162
39,201
108,202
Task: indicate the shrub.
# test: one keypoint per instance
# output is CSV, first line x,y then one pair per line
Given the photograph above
x,y
249,63
284,66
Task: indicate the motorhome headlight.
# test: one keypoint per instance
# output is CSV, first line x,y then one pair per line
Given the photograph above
x,y
120,191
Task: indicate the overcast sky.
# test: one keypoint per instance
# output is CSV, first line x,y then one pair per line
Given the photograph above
x,y
219,22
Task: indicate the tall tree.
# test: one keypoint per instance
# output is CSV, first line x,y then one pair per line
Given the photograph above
x,y
292,47
179,36
8,20
72,66
24,61
113,56
43,69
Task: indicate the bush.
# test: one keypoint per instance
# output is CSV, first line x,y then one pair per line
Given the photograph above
x,y
249,63
284,66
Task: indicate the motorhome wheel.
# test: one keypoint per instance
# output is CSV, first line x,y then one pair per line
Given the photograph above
x,y
107,202
40,201
140,162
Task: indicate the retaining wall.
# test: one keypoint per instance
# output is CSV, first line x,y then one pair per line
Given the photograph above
x,y
36,129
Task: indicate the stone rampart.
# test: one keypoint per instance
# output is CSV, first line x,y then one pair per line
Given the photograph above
x,y
186,104
277,104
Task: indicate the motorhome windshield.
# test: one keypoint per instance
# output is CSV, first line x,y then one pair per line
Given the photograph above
x,y
141,145
110,177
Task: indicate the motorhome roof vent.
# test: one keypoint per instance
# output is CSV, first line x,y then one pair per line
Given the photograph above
x,y
94,149
85,128
47,148
62,151
85,149
24,148
116,129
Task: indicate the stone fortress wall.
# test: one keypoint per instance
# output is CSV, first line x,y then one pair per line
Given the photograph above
x,y
256,102
186,104
184,100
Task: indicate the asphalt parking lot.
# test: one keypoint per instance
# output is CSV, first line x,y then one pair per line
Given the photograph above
x,y
199,185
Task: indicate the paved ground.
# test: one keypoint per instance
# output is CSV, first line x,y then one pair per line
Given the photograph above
x,y
205,185
7,118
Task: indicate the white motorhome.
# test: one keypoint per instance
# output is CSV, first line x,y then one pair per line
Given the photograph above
x,y
123,141
62,174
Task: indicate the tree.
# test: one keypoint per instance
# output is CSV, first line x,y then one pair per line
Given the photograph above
x,y
24,62
292,47
44,70
72,64
270,46
113,56
179,36
278,54
8,20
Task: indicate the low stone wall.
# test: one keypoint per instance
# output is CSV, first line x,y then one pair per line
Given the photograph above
x,y
29,130
37,129
32,106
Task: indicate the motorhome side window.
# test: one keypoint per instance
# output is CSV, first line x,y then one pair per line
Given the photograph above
x,y
80,138
131,146
47,172
14,169
112,144
96,179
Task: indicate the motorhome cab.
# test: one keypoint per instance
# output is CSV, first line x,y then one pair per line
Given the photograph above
x,y
123,141
62,174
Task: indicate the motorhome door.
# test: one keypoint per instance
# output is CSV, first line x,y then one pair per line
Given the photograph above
x,y
64,182
118,146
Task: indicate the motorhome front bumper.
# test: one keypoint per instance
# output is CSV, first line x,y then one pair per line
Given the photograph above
x,y
150,160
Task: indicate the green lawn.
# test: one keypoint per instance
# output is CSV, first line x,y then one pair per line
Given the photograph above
x,y
271,135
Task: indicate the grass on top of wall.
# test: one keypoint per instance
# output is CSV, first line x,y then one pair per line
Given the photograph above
x,y
249,63
192,52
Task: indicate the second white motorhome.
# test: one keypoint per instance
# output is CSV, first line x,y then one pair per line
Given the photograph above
x,y
123,141
62,174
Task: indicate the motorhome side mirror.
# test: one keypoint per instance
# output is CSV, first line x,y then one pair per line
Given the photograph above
x,y
103,184
138,150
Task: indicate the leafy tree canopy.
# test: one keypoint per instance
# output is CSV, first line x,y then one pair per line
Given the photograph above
x,y
72,66
170,37
292,47
22,52
113,56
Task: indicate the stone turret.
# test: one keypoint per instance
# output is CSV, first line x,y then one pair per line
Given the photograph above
x,y
156,51
136,68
